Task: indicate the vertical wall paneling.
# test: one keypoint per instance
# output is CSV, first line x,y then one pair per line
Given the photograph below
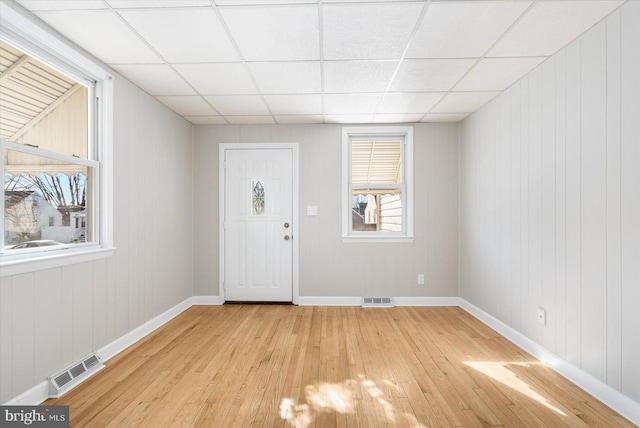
x,y
66,316
515,180
614,318
593,179
548,200
82,332
630,197
560,204
575,212
23,333
99,307
48,323
6,333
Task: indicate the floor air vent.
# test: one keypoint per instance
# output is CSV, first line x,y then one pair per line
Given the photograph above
x,y
73,375
377,302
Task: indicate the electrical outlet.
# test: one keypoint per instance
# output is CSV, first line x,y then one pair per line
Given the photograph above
x,y
542,315
421,279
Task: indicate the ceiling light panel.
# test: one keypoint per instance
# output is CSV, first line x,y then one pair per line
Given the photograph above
x,y
238,104
287,77
497,74
549,26
357,76
368,31
103,34
430,74
409,102
276,33
463,29
156,79
183,35
218,79
463,102
40,5
351,103
294,104
188,105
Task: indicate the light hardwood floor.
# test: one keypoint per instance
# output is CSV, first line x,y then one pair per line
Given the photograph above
x,y
279,366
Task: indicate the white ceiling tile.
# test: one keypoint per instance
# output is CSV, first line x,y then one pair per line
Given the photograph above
x,y
430,74
444,117
357,76
250,120
206,120
103,34
351,103
368,31
463,102
551,25
287,77
300,119
191,105
348,118
218,79
241,105
294,104
183,35
40,5
147,4
397,118
463,29
497,74
156,79
276,33
409,102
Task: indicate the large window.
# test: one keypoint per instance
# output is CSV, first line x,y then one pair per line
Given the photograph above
x,y
53,138
377,184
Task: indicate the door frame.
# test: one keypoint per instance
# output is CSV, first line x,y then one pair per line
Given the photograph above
x,y
223,147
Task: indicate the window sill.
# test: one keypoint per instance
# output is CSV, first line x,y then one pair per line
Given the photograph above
x,y
26,265
378,239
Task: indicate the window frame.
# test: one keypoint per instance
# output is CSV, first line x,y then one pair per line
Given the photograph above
x,y
405,133
22,30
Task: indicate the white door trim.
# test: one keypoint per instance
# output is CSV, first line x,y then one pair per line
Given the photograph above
x,y
295,207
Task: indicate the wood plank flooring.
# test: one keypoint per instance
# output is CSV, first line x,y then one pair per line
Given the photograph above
x,y
291,366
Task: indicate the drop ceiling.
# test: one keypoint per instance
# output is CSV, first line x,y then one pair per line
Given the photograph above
x,y
322,61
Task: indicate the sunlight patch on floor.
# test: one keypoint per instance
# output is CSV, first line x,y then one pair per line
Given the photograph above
x,y
326,397
499,372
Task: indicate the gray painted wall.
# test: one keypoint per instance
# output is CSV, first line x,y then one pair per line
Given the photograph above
x,y
50,318
329,267
550,205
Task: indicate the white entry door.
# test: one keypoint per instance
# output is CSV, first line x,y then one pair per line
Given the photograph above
x,y
258,230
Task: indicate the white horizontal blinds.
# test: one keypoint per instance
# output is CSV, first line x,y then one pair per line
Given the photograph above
x,y
40,107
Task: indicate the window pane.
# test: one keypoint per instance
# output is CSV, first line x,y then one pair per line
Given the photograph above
x,y
376,162
40,106
45,201
377,211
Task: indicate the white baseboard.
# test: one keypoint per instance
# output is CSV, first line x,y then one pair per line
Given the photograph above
x,y
32,396
600,390
120,344
426,301
206,300
329,301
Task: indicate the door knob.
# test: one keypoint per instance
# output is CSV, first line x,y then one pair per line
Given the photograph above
x,y
287,237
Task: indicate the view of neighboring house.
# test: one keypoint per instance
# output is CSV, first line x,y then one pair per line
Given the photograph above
x,y
29,216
